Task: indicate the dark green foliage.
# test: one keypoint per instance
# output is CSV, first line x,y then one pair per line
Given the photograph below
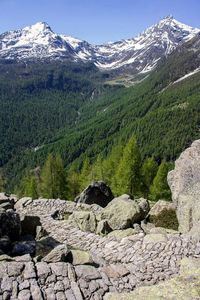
x,y
159,188
148,173
2,182
127,176
53,178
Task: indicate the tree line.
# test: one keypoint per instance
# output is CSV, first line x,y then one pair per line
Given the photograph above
x,y
122,169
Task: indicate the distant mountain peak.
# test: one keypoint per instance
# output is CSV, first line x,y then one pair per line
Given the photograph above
x,y
39,27
137,55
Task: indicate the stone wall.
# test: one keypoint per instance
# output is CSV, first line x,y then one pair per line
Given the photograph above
x,y
120,265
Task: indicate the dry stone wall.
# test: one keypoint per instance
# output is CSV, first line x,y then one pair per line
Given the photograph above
x,y
120,265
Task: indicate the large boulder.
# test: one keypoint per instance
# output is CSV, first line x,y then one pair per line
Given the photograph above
x,y
96,193
123,212
163,214
184,182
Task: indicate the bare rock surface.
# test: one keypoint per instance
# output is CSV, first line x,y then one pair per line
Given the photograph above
x,y
184,182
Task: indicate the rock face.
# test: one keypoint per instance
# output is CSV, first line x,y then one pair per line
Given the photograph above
x,y
163,214
123,212
96,193
184,182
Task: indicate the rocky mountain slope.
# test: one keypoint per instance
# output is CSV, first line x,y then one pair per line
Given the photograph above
x,y
137,55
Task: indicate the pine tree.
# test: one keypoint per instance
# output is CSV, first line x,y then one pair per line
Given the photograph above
x,y
159,188
53,178
127,177
148,173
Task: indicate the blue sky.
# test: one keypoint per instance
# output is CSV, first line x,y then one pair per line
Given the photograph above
x,y
96,21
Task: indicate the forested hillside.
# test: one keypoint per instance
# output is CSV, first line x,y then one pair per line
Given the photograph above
x,y
164,115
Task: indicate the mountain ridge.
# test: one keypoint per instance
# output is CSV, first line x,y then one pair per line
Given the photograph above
x,y
140,54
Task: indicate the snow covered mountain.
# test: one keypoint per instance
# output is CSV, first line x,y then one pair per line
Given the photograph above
x,y
137,55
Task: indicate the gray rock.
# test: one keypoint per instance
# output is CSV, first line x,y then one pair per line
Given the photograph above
x,y
43,270
15,268
96,193
58,254
24,285
29,271
85,220
24,295
184,182
122,212
50,294
76,291
87,272
23,202
155,238
35,291
59,268
70,295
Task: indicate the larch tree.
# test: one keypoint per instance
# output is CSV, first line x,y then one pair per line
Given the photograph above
x,y
148,173
53,178
159,188
127,178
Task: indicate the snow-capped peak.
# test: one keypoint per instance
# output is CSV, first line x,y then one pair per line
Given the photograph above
x,y
139,54
38,27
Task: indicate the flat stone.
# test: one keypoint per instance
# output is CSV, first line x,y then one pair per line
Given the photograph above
x,y
24,295
43,270
87,272
76,291
155,238
59,268
29,271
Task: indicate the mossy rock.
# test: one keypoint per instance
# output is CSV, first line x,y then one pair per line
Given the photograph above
x,y
167,219
163,214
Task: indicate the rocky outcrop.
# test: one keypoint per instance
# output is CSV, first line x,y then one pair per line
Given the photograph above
x,y
163,214
184,182
123,212
96,193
